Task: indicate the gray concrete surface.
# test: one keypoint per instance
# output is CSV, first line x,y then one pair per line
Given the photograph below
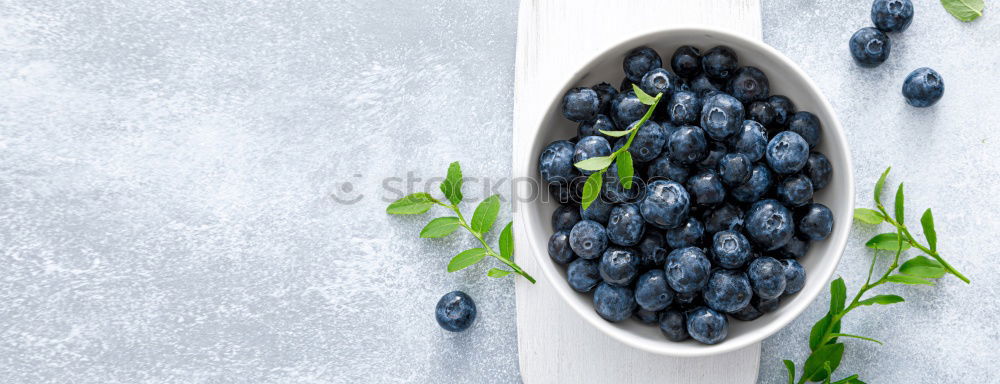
x,y
172,179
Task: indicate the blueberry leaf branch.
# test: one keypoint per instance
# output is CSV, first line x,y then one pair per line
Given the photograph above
x,y
482,222
825,336
600,164
964,10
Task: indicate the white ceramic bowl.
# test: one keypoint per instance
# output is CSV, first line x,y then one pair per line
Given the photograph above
x,y
786,79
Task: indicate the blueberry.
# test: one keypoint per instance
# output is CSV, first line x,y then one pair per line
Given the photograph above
x,y
796,248
724,217
767,276
749,84
716,151
721,115
619,266
664,168
652,292
455,312
707,326
666,204
727,291
614,192
668,128
795,276
580,104
555,164
588,239
687,269
625,86
594,127
605,92
590,146
639,61
627,109
816,222
646,317
806,125
559,249
688,234
582,275
759,184
892,15
686,61
719,63
648,142
769,224
599,211
673,324
783,109
564,218
786,153
613,303
870,47
766,305
687,145
819,170
706,188
660,80
702,85
923,87
625,225
751,140
735,169
795,191
730,250
684,107
761,112
652,253
687,299
747,313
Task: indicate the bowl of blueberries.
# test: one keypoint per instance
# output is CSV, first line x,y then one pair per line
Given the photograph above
x,y
739,201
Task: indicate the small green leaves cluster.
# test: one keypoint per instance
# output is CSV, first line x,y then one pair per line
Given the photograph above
x,y
600,164
826,336
964,10
481,224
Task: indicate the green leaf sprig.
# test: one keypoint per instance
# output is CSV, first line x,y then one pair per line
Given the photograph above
x,y
600,164
964,10
827,351
481,224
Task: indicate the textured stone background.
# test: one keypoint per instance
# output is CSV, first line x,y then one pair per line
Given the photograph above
x,y
172,176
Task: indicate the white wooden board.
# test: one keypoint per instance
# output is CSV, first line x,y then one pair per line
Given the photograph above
x,y
553,38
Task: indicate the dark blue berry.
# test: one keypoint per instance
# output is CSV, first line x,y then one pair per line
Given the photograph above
x,y
892,15
590,146
720,62
599,211
747,313
627,109
759,184
613,190
582,275
795,190
808,126
626,225
816,222
687,299
787,152
555,164
783,109
730,250
749,84
665,168
570,193
765,305
646,317
767,276
687,145
588,239
648,142
652,292
702,85
706,188
761,112
684,108
923,87
673,324
613,302
687,269
727,291
750,140
707,326
819,170
652,253
795,276
686,61
688,234
666,204
796,248
455,312
716,151
594,127
769,224
660,80
559,249
735,169
565,217
721,115
619,266
580,104
724,217
870,47
639,61
605,92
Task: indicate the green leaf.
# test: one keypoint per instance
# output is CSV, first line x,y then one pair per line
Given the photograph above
x,y
904,279
857,337
927,221
964,10
869,216
921,266
791,371
881,299
466,258
507,241
899,204
452,185
831,353
497,273
644,97
615,133
486,214
819,329
625,171
591,189
852,379
598,163
838,295
887,241
879,184
439,227
414,204
829,372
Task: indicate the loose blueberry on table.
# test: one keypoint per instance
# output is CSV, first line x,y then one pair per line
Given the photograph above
x,y
455,312
716,220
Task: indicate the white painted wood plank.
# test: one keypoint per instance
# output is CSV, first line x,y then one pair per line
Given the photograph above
x,y
554,37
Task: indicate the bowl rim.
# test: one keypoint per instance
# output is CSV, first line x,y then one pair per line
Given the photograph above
x,y
795,307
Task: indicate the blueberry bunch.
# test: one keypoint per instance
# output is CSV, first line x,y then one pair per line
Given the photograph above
x,y
721,204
